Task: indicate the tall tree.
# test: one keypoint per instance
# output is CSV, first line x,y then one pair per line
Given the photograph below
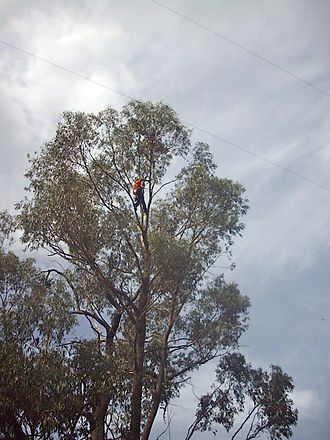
x,y
138,278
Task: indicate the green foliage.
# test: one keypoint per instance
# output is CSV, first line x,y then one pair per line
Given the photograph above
x,y
34,374
7,227
262,396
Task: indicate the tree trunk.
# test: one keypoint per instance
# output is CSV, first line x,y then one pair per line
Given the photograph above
x,y
138,365
13,426
140,336
98,416
157,394
97,419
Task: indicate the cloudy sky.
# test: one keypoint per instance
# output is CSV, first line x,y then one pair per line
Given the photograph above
x,y
199,66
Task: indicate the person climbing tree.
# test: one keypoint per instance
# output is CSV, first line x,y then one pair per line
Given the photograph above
x,y
138,192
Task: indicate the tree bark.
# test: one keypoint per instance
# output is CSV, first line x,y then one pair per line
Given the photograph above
x,y
97,420
98,416
13,426
138,364
157,394
139,343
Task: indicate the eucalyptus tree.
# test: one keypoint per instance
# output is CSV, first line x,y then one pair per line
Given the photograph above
x,y
39,394
138,278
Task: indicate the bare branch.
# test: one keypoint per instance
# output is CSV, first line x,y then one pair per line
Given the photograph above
x,y
245,420
162,186
88,314
167,428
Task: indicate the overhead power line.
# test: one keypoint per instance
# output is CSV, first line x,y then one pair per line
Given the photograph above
x,y
271,162
240,46
202,130
66,69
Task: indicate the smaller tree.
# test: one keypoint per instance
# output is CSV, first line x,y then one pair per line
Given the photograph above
x,y
39,393
261,397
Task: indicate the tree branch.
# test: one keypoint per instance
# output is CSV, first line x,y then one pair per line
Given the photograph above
x,y
88,314
162,186
245,420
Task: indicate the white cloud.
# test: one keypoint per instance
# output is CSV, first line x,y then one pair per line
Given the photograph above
x,y
309,404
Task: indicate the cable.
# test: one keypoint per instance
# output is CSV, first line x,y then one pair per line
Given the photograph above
x,y
66,70
251,52
288,170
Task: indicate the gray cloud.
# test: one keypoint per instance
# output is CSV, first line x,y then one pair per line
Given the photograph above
x,y
147,52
